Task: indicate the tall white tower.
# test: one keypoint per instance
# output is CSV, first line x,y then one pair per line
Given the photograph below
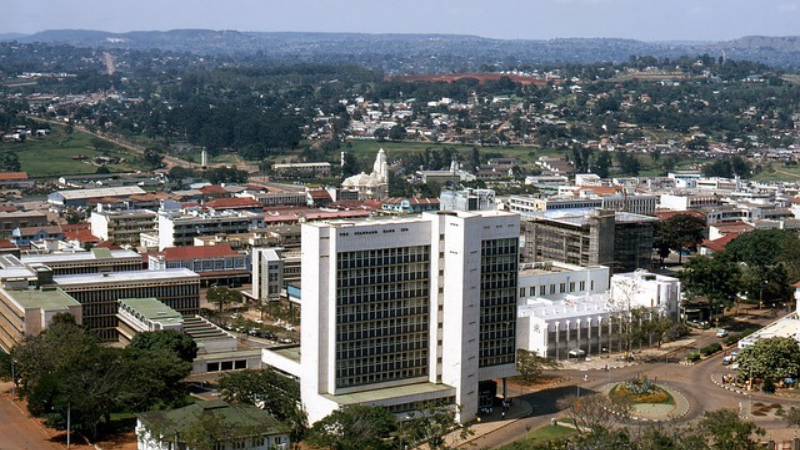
x,y
204,158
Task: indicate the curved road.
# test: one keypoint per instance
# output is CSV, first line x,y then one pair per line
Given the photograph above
x,y
694,382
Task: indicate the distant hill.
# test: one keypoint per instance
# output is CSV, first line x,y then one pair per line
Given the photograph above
x,y
405,52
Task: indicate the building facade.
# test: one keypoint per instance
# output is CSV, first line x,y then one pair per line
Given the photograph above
x,y
97,260
28,312
98,294
409,310
123,227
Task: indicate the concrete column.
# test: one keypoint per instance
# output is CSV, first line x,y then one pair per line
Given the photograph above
x,y
589,337
558,338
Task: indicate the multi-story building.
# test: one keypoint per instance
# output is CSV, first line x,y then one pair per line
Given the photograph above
x,y
588,325
123,227
28,312
621,241
637,204
407,311
267,274
10,220
177,229
556,280
270,199
95,261
216,264
467,200
98,293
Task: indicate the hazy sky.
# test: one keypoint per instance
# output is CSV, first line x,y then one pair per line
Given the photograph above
x,y
525,19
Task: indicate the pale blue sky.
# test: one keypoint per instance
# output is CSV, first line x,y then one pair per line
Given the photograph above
x,y
532,19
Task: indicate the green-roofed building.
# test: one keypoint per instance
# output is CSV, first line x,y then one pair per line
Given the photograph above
x,y
137,315
229,426
28,312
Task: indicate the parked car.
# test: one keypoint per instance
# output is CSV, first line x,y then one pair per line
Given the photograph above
x,y
721,333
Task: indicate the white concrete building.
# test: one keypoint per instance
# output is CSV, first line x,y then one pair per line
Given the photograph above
x,y
122,227
406,311
585,325
176,228
268,270
556,280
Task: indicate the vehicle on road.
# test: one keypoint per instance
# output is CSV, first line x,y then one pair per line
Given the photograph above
x,y
721,333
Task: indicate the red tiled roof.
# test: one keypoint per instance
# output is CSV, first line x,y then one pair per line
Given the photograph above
x,y
30,231
319,194
12,176
109,245
736,228
211,251
5,243
8,208
76,226
213,189
233,203
82,235
322,215
719,245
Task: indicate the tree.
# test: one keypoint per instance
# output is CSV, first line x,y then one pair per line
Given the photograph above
x,y
209,430
354,427
774,358
349,165
431,424
592,412
264,388
102,170
792,417
727,431
683,231
222,296
9,162
602,166
530,365
715,278
181,344
765,249
152,159
381,134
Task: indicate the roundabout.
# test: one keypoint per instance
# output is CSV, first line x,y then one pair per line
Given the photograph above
x,y
641,400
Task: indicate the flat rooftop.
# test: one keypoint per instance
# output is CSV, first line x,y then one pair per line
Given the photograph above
x,y
581,216
94,254
152,309
539,268
132,276
376,395
46,299
292,352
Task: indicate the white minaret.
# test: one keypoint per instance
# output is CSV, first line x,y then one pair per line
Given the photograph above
x,y
380,170
204,158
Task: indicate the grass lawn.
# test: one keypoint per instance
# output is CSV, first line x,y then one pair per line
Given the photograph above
x,y
52,155
543,434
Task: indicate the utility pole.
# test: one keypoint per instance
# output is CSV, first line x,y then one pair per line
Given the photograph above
x,y
69,407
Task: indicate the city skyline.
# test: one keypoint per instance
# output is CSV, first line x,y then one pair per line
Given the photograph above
x,y
681,20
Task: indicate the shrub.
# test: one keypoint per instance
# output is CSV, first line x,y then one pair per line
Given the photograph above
x,y
693,357
711,349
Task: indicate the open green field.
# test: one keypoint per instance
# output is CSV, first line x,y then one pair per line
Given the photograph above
x,y
54,155
543,434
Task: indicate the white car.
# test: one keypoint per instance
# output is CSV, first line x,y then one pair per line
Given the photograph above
x,y
721,333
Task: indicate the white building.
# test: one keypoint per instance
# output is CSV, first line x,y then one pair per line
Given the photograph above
x,y
176,228
122,227
584,325
556,280
407,311
268,270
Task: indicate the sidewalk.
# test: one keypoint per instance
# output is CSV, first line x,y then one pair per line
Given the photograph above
x,y
616,360
489,423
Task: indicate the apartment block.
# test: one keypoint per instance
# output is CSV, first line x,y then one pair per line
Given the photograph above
x,y
123,227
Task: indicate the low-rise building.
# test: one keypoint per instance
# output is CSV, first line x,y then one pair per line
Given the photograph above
x,y
588,325
468,200
28,312
164,430
11,220
60,200
22,237
216,264
97,260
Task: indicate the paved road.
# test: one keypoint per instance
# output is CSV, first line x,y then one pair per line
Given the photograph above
x,y
19,432
694,382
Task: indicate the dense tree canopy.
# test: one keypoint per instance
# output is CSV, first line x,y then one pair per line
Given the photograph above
x,y
774,358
